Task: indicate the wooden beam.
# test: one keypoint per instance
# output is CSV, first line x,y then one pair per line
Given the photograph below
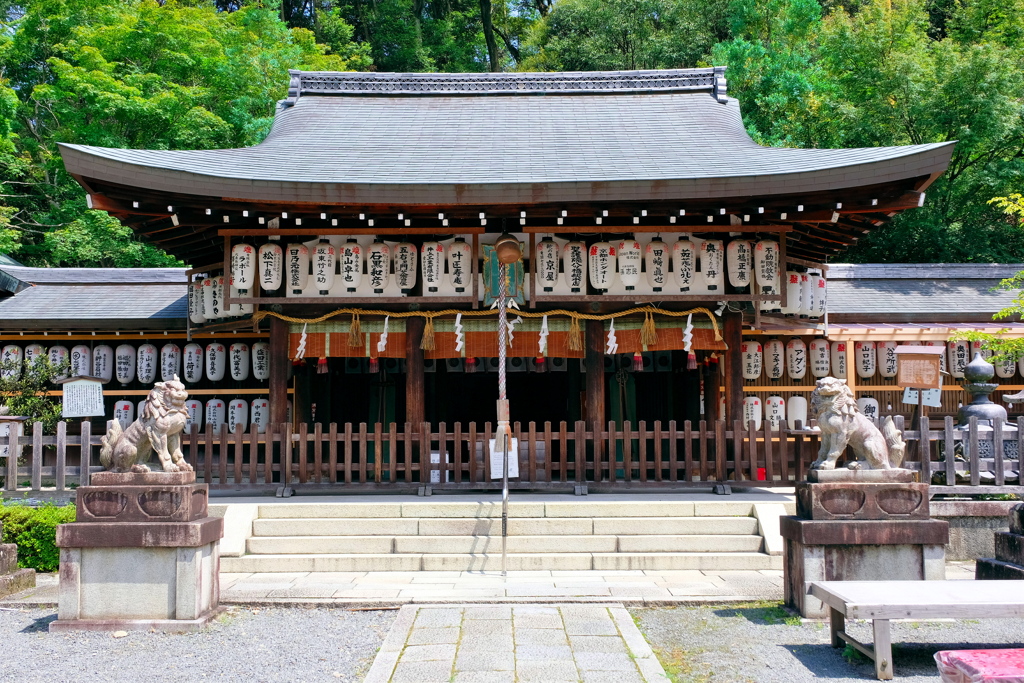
x,y
360,230
280,363
733,334
595,374
415,393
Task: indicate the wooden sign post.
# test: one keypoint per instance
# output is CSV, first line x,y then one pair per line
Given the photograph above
x,y
919,367
83,397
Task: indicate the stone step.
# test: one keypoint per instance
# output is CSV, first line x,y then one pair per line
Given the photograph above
x,y
492,561
524,526
330,545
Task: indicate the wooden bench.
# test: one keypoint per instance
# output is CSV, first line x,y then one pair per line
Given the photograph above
x,y
881,601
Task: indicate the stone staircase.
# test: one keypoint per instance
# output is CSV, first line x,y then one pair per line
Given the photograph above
x,y
466,536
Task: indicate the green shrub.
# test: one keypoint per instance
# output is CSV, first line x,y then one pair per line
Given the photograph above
x,y
34,530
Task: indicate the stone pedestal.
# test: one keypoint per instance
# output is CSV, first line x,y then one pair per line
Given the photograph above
x,y
858,530
1009,560
143,554
12,579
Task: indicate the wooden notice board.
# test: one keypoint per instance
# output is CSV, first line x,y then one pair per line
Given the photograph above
x,y
919,367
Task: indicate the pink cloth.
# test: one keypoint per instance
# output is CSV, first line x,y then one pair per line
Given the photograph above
x,y
981,666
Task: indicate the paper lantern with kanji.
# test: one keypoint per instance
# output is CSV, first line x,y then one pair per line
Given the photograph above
x,y
211,307
297,266
712,264
261,361
146,365
237,309
271,264
460,259
405,258
796,358
33,352
775,411
656,258
684,263
216,361
808,305
238,359
193,365
432,265
774,359
767,266
324,259
170,362
378,266
218,297
942,356
260,414
865,359
351,265
818,356
601,265
869,406
103,363
215,415
794,293
1005,368
574,268
238,416
124,413
243,267
959,357
195,302
10,362
839,359
546,264
194,410
886,351
125,361
820,295
796,411
750,351
739,257
630,258
59,356
752,411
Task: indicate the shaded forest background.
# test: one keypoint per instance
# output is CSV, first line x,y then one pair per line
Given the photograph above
x,y
809,73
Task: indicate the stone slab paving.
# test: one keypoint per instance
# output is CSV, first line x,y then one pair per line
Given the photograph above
x,y
515,643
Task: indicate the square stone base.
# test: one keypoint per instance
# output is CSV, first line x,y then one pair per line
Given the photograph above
x,y
160,625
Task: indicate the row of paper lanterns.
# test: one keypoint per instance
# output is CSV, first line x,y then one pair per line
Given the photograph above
x,y
127,363
823,358
237,414
776,410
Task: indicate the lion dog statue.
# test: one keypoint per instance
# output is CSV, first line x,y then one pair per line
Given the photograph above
x,y
158,429
842,424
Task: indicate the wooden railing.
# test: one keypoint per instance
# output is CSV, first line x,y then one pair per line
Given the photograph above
x,y
616,457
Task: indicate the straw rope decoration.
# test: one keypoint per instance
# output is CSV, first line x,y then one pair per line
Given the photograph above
x,y
648,331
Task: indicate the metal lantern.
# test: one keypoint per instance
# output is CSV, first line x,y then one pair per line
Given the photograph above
x,y
216,360
297,264
839,359
170,362
808,305
794,293
378,266
818,284
573,269
752,411
271,258
33,352
796,358
124,413
194,408
238,357
942,356
656,256
739,257
796,411
325,260
1005,368
125,359
684,263
775,411
238,416
146,364
432,265
59,356
260,413
460,258
629,259
712,263
103,363
243,267
193,363
351,265
602,265
869,406
819,354
10,362
774,358
865,359
195,302
261,361
886,351
546,263
959,357
405,266
215,415
752,359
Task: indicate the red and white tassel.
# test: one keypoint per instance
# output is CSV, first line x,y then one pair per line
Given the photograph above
x,y
472,364
691,361
540,364
321,366
374,365
638,362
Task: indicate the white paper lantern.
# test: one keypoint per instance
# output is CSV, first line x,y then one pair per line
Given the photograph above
x,y
216,360
325,263
1005,368
796,411
886,351
547,257
752,411
271,258
170,362
378,266
796,358
211,307
33,352
573,268
11,362
125,360
656,256
942,356
752,359
865,359
195,414
405,266
124,413
146,364
630,258
740,260
839,359
238,309
712,264
5,431
684,263
219,309
602,265
794,293
261,361
959,357
767,266
820,296
808,306
238,416
432,265
976,348
351,265
819,354
260,414
59,356
243,267
215,415
774,359
775,411
297,265
869,406
460,259
195,302
193,363
238,356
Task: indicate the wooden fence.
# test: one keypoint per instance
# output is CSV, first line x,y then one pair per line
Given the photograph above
x,y
618,457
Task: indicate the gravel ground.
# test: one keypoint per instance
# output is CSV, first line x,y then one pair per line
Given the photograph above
x,y
764,644
245,644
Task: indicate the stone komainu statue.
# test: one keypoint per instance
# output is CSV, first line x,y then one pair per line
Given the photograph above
x,y
158,429
842,424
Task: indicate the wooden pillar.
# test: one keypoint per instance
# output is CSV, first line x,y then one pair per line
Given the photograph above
x,y
279,363
414,379
733,333
595,373
713,391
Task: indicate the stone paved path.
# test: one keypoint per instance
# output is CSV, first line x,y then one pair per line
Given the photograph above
x,y
523,643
